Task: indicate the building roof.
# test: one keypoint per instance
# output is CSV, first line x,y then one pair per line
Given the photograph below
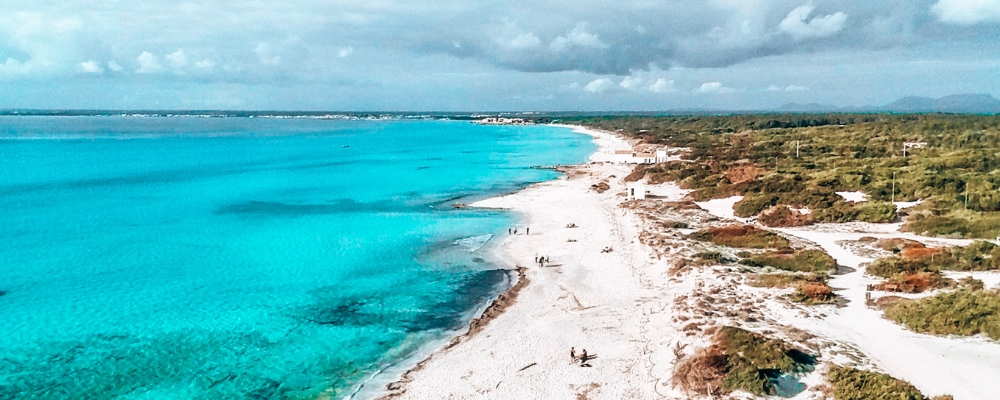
x,y
623,151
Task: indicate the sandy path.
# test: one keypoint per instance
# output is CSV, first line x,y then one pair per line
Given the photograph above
x,y
964,367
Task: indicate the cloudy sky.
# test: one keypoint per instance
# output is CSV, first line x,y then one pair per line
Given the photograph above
x,y
463,55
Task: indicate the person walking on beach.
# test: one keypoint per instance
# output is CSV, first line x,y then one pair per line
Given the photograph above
x,y
515,231
583,356
572,353
527,231
508,231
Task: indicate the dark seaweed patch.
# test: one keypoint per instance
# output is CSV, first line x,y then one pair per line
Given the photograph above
x,y
340,206
442,311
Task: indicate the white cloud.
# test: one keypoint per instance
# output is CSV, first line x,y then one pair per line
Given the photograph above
x,y
177,59
91,67
115,66
630,83
148,63
662,86
266,56
345,52
789,88
205,64
524,41
795,23
598,85
967,12
713,87
578,37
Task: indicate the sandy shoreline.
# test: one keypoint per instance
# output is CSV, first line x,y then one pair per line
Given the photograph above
x,y
583,298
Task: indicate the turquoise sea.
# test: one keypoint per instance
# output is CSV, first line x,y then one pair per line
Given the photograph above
x,y
263,258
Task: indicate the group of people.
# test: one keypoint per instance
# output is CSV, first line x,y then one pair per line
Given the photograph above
x,y
582,358
541,261
513,231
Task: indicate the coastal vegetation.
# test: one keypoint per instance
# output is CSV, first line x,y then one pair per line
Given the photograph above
x,y
916,268
962,312
740,360
810,288
793,261
741,236
855,384
947,161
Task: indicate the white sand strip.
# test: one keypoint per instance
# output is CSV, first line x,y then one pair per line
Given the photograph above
x,y
584,298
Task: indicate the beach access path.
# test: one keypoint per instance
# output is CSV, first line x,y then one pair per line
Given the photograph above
x,y
583,298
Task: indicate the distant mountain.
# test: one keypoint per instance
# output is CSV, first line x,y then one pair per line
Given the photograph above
x,y
956,103
806,108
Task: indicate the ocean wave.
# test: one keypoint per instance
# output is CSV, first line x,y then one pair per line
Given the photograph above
x,y
475,242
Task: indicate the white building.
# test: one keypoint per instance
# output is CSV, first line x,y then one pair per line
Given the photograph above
x,y
635,190
643,158
635,157
623,156
502,121
661,156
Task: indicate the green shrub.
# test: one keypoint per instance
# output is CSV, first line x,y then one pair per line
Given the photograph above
x,y
967,224
753,204
892,266
740,360
752,360
962,312
979,256
856,384
744,236
875,211
800,261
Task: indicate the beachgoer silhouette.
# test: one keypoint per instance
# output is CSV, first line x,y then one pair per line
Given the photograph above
x,y
508,231
527,231
515,231
536,259
583,356
572,353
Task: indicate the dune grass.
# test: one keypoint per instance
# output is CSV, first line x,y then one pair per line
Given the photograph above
x,y
963,312
740,360
741,236
855,384
810,288
799,261
917,268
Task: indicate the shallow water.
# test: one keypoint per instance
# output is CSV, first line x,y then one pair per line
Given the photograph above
x,y
245,258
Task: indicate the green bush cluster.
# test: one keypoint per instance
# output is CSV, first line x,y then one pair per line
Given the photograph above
x,y
800,261
855,384
962,224
805,159
741,236
962,312
979,256
752,361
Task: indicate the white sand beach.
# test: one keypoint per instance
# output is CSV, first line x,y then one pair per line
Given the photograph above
x,y
640,308
584,298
